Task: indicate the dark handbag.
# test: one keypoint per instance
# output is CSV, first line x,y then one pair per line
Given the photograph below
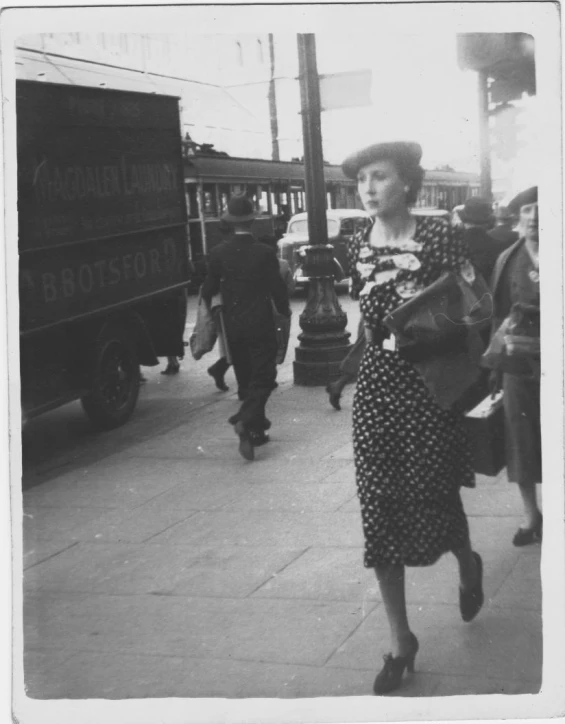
x,y
515,345
485,428
439,332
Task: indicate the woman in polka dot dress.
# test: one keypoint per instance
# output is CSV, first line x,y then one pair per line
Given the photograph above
x,y
411,456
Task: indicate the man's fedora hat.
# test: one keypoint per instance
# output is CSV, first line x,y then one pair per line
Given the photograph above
x,y
503,213
405,153
529,196
240,208
476,210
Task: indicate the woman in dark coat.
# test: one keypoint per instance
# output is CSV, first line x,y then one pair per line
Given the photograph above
x,y
516,281
411,456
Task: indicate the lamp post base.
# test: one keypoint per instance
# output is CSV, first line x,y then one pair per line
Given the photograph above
x,y
324,341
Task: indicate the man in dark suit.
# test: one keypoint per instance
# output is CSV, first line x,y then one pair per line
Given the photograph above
x,y
503,233
478,218
247,274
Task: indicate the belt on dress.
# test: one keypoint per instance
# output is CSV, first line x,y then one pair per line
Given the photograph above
x,y
376,335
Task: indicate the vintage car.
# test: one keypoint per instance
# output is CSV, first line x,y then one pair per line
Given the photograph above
x,y
342,224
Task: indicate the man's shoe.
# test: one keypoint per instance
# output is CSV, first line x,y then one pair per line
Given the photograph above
x,y
258,438
218,379
245,445
171,370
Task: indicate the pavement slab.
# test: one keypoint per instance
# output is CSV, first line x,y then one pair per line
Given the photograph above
x,y
116,568
491,498
133,526
291,632
449,646
294,496
38,550
56,523
267,528
115,482
324,574
92,675
40,667
520,592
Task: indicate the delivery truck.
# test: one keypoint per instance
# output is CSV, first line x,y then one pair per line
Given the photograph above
x,y
103,249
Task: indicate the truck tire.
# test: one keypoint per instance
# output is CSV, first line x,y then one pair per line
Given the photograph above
x,y
115,383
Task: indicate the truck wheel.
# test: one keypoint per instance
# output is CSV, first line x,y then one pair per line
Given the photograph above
x,y
116,382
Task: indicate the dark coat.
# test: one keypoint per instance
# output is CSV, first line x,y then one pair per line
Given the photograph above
x,y
483,250
503,237
501,304
247,274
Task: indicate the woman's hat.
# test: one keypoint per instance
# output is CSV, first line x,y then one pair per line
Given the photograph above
x,y
476,210
529,196
406,153
240,208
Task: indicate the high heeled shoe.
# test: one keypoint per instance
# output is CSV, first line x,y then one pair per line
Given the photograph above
x,y
335,395
526,536
471,601
390,676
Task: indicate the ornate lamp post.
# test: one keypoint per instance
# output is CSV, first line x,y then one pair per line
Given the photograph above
x,y
324,341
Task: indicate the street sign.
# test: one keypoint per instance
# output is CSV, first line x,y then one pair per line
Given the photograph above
x,y
345,90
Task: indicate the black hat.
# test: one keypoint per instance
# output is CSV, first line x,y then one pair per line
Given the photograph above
x,y
407,153
529,196
240,208
503,213
476,210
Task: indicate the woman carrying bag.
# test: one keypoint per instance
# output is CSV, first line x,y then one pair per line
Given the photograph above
x,y
411,454
514,353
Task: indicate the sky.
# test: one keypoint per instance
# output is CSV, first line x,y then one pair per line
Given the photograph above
x,y
418,92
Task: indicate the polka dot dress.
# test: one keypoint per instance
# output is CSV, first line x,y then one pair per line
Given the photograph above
x,y
411,456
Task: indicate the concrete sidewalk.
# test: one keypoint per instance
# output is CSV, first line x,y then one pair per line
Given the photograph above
x,y
176,569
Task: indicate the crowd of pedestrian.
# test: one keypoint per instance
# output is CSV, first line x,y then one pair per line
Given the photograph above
x,y
411,450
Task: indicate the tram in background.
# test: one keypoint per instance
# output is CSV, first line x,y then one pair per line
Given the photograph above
x,y
277,189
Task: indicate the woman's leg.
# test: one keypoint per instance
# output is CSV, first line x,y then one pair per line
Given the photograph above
x,y
468,568
531,509
523,442
392,587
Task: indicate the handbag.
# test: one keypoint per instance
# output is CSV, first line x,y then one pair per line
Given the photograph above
x,y
438,331
485,428
515,345
204,334
282,332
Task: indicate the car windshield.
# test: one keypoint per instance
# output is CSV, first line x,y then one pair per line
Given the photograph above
x,y
300,226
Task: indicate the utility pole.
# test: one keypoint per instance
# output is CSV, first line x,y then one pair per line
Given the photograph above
x,y
323,341
484,135
273,113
